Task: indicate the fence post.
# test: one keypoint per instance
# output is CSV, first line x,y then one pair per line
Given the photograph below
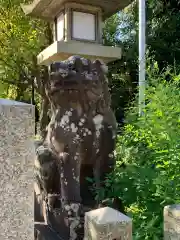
x,y
16,170
107,224
172,222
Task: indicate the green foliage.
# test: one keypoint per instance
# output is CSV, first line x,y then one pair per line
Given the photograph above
x,y
119,31
150,149
21,39
162,33
162,37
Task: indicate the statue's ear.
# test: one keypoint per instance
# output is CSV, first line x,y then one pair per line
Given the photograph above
x,y
104,68
97,66
101,65
97,62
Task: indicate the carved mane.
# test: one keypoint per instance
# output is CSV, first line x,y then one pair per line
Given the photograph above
x,y
79,81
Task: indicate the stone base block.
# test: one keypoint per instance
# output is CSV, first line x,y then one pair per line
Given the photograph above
x,y
107,224
16,170
172,222
60,51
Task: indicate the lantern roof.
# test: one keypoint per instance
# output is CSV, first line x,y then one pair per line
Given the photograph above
x,y
49,9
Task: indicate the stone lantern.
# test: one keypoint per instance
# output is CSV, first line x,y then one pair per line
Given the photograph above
x,y
77,28
81,136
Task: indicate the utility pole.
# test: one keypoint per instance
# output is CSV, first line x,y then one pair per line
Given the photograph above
x,y
142,52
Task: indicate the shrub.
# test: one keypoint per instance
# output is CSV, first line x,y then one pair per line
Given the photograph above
x,y
150,150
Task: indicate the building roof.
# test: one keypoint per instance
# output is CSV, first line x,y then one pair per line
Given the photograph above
x,y
48,9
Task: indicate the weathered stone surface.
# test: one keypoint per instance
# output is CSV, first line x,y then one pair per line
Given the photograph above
x,y
107,224
16,170
82,132
172,222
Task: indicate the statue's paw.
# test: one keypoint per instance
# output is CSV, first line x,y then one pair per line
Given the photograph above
x,y
73,209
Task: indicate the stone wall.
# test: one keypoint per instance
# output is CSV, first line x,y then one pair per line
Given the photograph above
x,y
172,222
16,170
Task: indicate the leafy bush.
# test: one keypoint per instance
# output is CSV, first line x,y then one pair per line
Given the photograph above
x,y
150,150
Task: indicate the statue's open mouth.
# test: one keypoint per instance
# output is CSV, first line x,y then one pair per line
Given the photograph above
x,y
71,84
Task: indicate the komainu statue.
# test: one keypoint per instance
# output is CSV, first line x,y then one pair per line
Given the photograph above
x,y
82,132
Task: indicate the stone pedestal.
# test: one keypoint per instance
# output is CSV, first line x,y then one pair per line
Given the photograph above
x,y
172,222
107,224
16,170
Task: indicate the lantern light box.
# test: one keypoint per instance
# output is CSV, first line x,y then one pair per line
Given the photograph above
x,y
76,22
83,26
77,28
